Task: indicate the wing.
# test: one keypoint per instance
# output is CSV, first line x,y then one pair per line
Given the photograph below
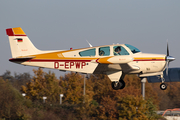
x,y
103,68
114,71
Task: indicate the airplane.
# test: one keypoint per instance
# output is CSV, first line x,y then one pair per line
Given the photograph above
x,y
115,60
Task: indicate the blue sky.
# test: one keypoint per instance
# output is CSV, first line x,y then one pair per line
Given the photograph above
x,y
62,24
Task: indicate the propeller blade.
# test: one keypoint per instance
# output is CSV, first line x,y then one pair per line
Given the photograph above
x,y
167,66
168,59
167,49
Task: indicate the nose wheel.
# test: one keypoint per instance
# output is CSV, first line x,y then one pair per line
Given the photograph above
x,y
163,86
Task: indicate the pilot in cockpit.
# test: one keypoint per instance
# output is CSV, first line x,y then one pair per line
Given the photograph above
x,y
117,50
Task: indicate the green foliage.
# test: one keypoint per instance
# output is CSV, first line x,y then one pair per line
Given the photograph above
x,y
18,79
72,86
11,102
42,85
130,108
107,109
100,102
151,108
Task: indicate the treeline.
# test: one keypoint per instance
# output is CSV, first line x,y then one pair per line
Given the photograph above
x,y
100,101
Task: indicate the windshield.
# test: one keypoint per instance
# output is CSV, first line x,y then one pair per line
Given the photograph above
x,y
132,48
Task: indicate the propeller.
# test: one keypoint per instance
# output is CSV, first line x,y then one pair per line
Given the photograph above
x,y
168,59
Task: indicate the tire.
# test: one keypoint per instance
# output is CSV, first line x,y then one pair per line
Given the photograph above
x,y
163,86
122,84
116,86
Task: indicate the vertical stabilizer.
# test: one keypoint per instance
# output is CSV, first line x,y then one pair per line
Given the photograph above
x,y
20,44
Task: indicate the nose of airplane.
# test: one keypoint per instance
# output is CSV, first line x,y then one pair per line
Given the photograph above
x,y
170,58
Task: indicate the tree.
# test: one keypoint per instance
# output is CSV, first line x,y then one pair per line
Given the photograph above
x,y
11,102
42,84
18,79
107,109
132,108
135,108
73,86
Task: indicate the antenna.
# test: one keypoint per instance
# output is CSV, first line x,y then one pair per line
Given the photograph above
x,y
89,44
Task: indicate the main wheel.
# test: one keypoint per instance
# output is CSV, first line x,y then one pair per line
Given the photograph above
x,y
122,84
116,85
163,86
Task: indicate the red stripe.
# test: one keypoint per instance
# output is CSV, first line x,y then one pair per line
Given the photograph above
x,y
150,60
45,60
51,60
19,35
60,60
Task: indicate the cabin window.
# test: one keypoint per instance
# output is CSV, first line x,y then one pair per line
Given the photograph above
x,y
90,52
119,50
104,51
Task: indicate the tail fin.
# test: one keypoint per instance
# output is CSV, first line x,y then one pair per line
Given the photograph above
x,y
20,44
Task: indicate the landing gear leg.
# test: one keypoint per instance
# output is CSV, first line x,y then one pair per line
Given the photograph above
x,y
163,86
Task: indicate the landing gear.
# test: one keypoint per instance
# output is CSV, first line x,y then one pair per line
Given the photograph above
x,y
118,84
163,86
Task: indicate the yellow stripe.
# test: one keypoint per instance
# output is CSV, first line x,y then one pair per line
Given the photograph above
x,y
18,31
60,55
104,60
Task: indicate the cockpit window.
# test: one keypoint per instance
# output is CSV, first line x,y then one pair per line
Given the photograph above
x,y
104,51
133,49
90,52
119,50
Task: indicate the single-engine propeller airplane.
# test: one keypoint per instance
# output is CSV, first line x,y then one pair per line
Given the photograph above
x,y
114,60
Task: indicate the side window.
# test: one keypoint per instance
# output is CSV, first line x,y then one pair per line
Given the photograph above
x,y
90,52
104,51
119,50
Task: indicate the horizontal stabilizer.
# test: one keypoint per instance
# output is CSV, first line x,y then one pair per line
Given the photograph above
x,y
30,57
21,59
